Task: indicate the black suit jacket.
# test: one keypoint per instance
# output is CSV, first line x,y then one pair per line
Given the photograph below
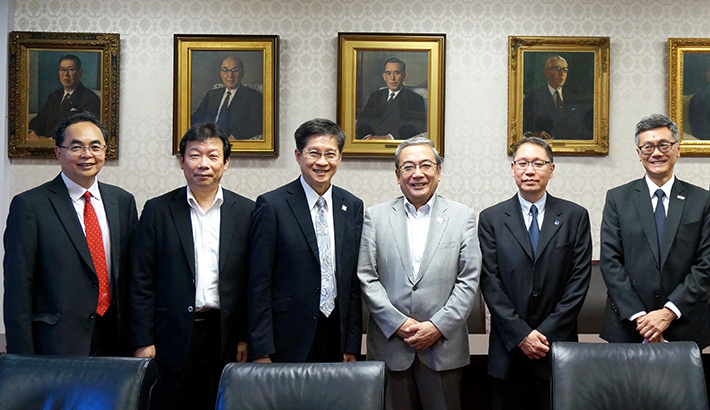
x,y
284,279
545,292
540,114
245,112
636,278
51,287
163,277
82,99
404,117
699,114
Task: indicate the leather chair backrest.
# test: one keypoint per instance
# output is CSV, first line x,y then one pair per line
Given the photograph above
x,y
592,313
625,376
45,382
254,386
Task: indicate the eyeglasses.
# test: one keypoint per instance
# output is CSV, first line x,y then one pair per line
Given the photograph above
x,y
522,164
68,70
233,70
408,167
77,149
558,69
663,146
315,155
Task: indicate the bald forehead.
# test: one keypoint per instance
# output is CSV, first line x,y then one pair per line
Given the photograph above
x,y
555,61
232,62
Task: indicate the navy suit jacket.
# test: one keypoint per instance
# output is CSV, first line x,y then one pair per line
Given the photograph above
x,y
525,291
405,117
163,277
51,287
285,278
639,279
540,114
47,119
245,112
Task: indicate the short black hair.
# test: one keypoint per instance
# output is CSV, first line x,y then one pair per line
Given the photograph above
x,y
203,131
318,126
401,63
84,116
73,58
537,141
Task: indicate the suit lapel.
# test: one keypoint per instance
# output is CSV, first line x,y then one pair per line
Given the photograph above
x,y
180,212
66,213
516,226
340,210
226,227
299,206
645,213
676,205
551,224
437,227
114,226
398,224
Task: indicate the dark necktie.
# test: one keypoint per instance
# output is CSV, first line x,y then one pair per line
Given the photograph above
x,y
534,230
660,219
222,114
558,103
98,255
66,97
391,97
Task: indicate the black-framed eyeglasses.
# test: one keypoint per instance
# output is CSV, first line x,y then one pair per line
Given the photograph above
x,y
424,166
315,155
233,70
78,149
68,70
663,146
537,164
558,69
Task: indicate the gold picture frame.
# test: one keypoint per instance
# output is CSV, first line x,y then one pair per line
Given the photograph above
x,y
35,91
252,120
579,125
373,126
689,93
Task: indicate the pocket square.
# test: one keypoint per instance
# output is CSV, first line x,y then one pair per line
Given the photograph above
x,y
73,110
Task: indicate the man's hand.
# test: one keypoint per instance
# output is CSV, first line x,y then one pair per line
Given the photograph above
x,y
263,359
424,335
535,345
403,331
348,357
652,325
145,351
242,352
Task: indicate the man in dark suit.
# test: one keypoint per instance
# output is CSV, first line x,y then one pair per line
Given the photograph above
x,y
304,296
395,112
554,114
537,252
66,254
71,99
655,248
236,108
699,112
189,270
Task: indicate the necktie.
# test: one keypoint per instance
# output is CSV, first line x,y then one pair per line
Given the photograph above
x,y
534,230
222,114
391,97
558,103
327,292
98,255
66,97
660,219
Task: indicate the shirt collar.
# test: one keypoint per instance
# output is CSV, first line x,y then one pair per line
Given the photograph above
x,y
423,210
312,195
526,205
552,90
217,202
652,187
234,90
76,191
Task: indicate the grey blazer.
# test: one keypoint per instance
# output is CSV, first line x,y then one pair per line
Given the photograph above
x,y
442,291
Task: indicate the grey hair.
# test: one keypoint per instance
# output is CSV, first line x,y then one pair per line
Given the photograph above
x,y
655,121
416,141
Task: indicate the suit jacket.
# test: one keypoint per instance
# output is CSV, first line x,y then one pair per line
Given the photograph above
x,y
245,112
525,292
540,114
51,287
638,279
284,275
47,119
442,291
404,117
699,114
163,277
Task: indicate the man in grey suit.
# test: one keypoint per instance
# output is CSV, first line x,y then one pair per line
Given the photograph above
x,y
655,248
419,268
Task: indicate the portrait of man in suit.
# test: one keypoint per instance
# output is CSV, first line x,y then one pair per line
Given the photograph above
x,y
235,107
66,254
419,269
395,111
537,260
699,107
71,99
189,269
304,298
655,248
554,111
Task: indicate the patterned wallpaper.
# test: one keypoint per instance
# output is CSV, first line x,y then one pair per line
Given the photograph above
x,y
476,170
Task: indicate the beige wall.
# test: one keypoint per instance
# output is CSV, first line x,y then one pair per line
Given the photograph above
x,y
476,170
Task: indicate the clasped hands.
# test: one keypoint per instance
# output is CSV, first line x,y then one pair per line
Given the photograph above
x,y
535,345
652,325
418,335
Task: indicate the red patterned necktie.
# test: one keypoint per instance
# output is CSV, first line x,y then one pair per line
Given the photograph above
x,y
98,255
66,97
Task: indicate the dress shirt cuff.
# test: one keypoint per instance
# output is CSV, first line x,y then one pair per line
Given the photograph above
x,y
670,305
637,315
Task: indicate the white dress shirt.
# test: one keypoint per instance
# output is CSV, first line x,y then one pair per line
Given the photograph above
x,y
527,215
205,236
418,221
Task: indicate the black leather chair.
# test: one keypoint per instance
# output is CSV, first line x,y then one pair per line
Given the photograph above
x,y
592,313
45,382
621,376
312,386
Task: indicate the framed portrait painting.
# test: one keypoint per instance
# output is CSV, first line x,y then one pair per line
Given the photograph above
x,y
53,76
689,93
558,90
231,81
390,88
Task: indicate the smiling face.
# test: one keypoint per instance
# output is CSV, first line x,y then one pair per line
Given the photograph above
x,y
81,168
317,172
69,75
531,181
394,76
203,164
232,72
418,186
659,165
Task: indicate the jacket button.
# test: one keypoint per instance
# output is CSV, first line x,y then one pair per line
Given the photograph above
x,y
536,294
92,316
317,290
190,309
414,288
314,318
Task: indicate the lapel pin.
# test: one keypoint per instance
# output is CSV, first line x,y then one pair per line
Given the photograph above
x,y
681,197
557,222
439,220
344,207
